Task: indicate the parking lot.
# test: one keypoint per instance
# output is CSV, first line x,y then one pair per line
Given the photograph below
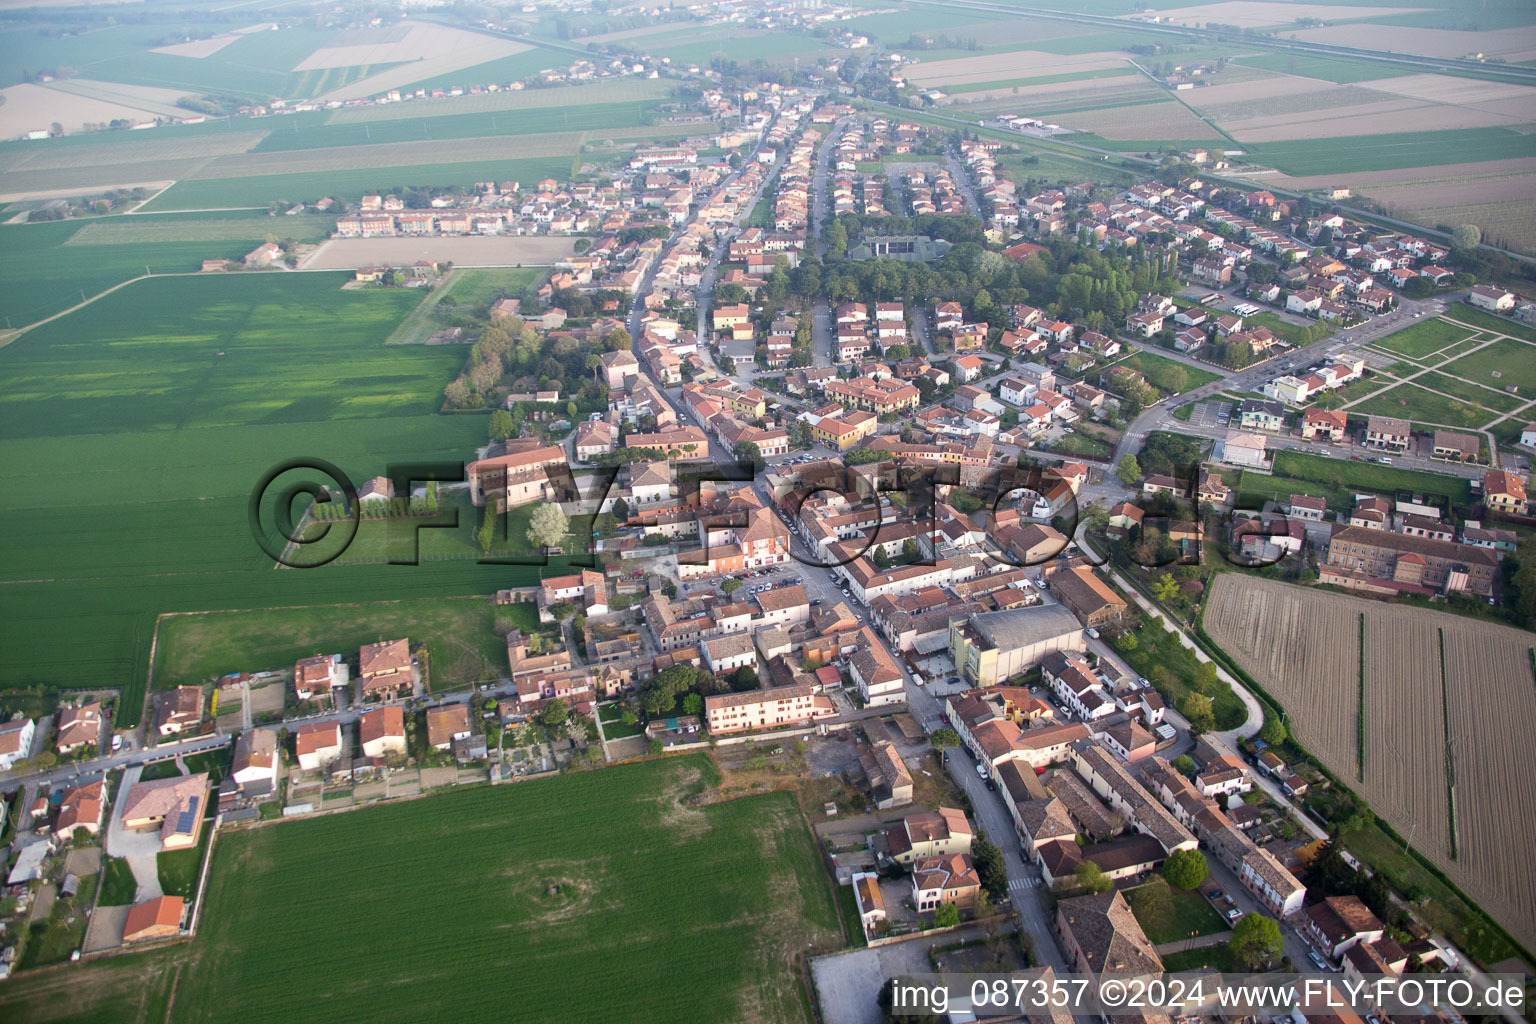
x,y
1211,414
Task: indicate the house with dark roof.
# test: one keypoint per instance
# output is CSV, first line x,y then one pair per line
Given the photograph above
x,y
1101,936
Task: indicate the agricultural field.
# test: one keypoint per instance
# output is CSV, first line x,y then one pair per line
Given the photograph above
x,y
710,904
469,287
348,179
461,250
1487,678
628,90
1390,151
201,228
175,396
1328,69
458,634
1142,121
466,126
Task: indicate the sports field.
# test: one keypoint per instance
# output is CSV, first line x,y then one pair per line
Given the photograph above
x,y
167,403
542,886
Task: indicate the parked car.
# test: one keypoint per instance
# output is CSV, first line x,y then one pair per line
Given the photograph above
x,y
981,770
1093,634
1318,961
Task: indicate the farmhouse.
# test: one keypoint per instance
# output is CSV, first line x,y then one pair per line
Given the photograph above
x,y
518,478
173,806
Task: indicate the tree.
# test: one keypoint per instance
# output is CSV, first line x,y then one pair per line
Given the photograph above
x,y
486,535
670,589
1165,588
947,915
693,704
1255,941
744,678
502,426
1185,869
556,713
1092,878
1205,679
1129,470
800,434
1274,732
629,718
1197,708
657,747
731,585
990,867
943,740
1183,764
882,560
548,526
1465,238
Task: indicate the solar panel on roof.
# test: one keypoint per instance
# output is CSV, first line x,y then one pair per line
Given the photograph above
x,y
185,819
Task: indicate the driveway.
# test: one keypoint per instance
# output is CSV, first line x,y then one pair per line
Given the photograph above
x,y
140,849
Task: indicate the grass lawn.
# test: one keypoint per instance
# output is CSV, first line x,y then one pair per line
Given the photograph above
x,y
118,990
1486,320
468,287
1186,913
1296,334
1082,444
1423,338
458,633
117,886
1496,401
1160,658
1513,361
1360,388
178,869
1442,908
1218,957
613,726
1413,402
1168,375
1298,472
174,397
707,905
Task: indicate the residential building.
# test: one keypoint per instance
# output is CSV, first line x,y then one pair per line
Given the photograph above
x,y
79,727
930,834
1450,446
16,741
255,764
1242,448
317,744
82,806
1339,923
386,670
765,709
315,678
1494,299
951,878
1382,561
1328,423
1388,432
447,725
381,731
1085,595
178,711
159,918
1258,414
1504,491
1100,936
174,807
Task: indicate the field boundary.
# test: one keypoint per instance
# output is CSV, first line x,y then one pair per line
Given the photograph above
x,y
1450,748
1360,711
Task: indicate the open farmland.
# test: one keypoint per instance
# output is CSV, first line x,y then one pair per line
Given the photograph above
x,y
1344,155
1267,14
708,905
1170,120
1513,46
1487,688
461,250
175,396
615,91
990,67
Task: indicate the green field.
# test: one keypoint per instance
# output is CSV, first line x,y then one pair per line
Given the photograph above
x,y
620,90
458,633
1389,152
1162,372
615,116
1423,338
503,70
179,228
1072,76
172,398
1339,479
745,47
1329,69
45,268
1513,361
348,182
1412,402
1496,324
1497,401
706,906
468,287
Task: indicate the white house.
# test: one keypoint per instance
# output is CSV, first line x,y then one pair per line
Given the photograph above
x,y
317,744
1242,448
1528,436
15,742
1496,299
